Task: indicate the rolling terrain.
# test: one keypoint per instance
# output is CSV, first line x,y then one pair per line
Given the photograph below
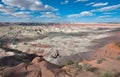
x,y
58,47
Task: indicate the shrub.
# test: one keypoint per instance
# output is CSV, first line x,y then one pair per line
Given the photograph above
x,y
86,67
27,64
7,72
77,67
70,62
118,58
99,61
118,44
107,74
25,43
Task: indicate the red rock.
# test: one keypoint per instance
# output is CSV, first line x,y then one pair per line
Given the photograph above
x,y
37,60
109,51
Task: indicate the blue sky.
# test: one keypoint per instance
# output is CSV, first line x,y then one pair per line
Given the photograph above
x,y
84,11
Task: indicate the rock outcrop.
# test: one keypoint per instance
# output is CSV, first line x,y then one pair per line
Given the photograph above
x,y
111,50
39,67
104,60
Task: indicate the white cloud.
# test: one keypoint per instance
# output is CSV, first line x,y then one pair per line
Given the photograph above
x,y
90,13
84,13
6,9
111,19
65,2
105,16
49,15
107,8
1,5
81,0
28,4
110,13
88,4
73,15
100,4
12,11
21,14
17,8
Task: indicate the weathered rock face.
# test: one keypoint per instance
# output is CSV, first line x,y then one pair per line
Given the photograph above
x,y
37,68
58,44
106,58
111,50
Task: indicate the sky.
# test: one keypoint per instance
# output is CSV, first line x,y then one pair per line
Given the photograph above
x,y
63,11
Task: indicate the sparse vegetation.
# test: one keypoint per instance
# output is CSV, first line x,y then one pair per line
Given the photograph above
x,y
107,74
77,69
11,28
118,58
25,43
87,67
118,44
27,64
7,72
99,61
70,62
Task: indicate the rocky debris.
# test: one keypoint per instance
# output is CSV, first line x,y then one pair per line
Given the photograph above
x,y
37,68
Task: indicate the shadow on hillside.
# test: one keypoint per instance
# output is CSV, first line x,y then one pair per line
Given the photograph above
x,y
18,58
75,58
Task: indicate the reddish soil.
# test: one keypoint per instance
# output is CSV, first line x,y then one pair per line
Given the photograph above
x,y
109,51
109,56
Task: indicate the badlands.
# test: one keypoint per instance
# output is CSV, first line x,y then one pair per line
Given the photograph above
x,y
60,50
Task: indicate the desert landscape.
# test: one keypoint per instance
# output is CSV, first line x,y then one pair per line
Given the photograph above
x,y
59,38
60,50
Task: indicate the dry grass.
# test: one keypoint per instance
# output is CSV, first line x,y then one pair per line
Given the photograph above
x,y
107,74
118,44
7,72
